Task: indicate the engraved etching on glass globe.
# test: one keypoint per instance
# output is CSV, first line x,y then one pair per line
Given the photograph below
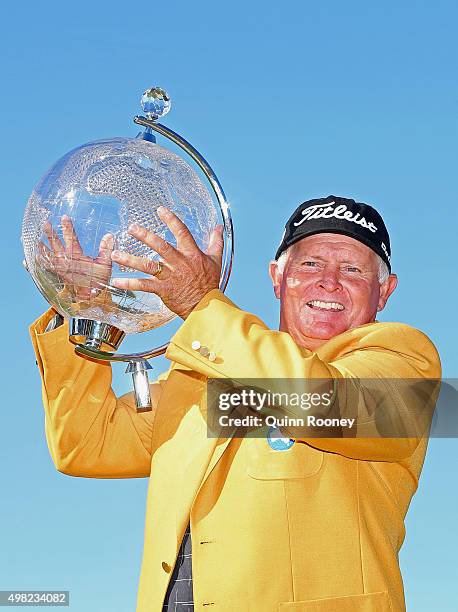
x,y
81,210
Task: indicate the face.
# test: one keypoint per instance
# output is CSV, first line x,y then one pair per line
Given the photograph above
x,y
329,285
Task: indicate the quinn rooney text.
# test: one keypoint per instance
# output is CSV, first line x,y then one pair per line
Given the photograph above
x,y
272,421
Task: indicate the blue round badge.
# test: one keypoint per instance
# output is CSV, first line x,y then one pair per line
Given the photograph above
x,y
276,441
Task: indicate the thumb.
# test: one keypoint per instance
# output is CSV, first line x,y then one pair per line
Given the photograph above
x,y
216,244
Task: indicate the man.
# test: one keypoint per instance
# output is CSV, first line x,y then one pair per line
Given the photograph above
x,y
316,527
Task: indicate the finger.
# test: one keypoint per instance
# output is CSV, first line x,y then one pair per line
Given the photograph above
x,y
149,285
216,245
142,264
184,238
53,239
45,253
44,250
72,244
49,261
155,242
105,249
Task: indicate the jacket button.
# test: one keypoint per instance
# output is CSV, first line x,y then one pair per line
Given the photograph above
x,y
195,345
166,567
204,351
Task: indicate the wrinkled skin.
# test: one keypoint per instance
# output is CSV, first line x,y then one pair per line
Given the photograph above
x,y
187,273
331,268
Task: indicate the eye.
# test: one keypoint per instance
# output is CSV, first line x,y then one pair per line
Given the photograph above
x,y
309,264
352,269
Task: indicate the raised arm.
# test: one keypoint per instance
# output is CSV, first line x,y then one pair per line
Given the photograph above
x,y
241,346
90,432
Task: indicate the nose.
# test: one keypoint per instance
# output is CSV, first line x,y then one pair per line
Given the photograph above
x,y
330,280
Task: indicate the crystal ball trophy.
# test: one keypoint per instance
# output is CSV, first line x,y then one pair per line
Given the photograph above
x,y
96,191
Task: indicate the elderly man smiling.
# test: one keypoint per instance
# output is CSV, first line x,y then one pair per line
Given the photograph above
x,y
315,525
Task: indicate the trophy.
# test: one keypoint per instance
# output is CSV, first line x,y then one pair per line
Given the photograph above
x,y
91,195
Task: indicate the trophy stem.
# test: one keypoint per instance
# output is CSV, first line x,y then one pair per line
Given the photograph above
x,y
139,370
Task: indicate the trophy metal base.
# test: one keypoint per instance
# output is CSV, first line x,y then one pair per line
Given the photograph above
x,y
90,335
93,334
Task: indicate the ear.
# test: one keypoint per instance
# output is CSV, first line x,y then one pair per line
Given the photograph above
x,y
276,277
386,289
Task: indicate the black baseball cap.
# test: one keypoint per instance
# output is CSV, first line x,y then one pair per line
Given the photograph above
x,y
338,215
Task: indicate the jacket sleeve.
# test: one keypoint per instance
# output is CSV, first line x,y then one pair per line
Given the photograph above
x,y
237,345
90,432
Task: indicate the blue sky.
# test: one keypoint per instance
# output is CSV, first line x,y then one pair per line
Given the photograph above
x,y
288,101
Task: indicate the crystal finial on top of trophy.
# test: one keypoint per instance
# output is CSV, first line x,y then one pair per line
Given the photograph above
x,y
155,103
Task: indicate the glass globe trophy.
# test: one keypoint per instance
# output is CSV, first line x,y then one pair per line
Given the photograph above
x,y
80,211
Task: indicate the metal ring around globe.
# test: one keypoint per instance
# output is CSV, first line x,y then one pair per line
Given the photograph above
x,y
228,253
80,349
215,184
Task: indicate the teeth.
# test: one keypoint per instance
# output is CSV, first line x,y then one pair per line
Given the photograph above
x,y
326,305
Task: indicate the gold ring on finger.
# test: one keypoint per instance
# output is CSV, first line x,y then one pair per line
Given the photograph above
x,y
160,267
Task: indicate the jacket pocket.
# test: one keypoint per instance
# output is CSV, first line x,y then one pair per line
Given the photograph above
x,y
265,463
369,602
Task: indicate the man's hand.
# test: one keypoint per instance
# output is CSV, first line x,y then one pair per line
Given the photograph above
x,y
187,273
84,276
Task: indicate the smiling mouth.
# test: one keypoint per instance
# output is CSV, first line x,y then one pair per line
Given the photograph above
x,y
330,306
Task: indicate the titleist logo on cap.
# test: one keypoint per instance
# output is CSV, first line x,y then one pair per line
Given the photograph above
x,y
339,216
326,211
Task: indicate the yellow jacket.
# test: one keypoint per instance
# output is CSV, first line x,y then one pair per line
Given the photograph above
x,y
316,528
